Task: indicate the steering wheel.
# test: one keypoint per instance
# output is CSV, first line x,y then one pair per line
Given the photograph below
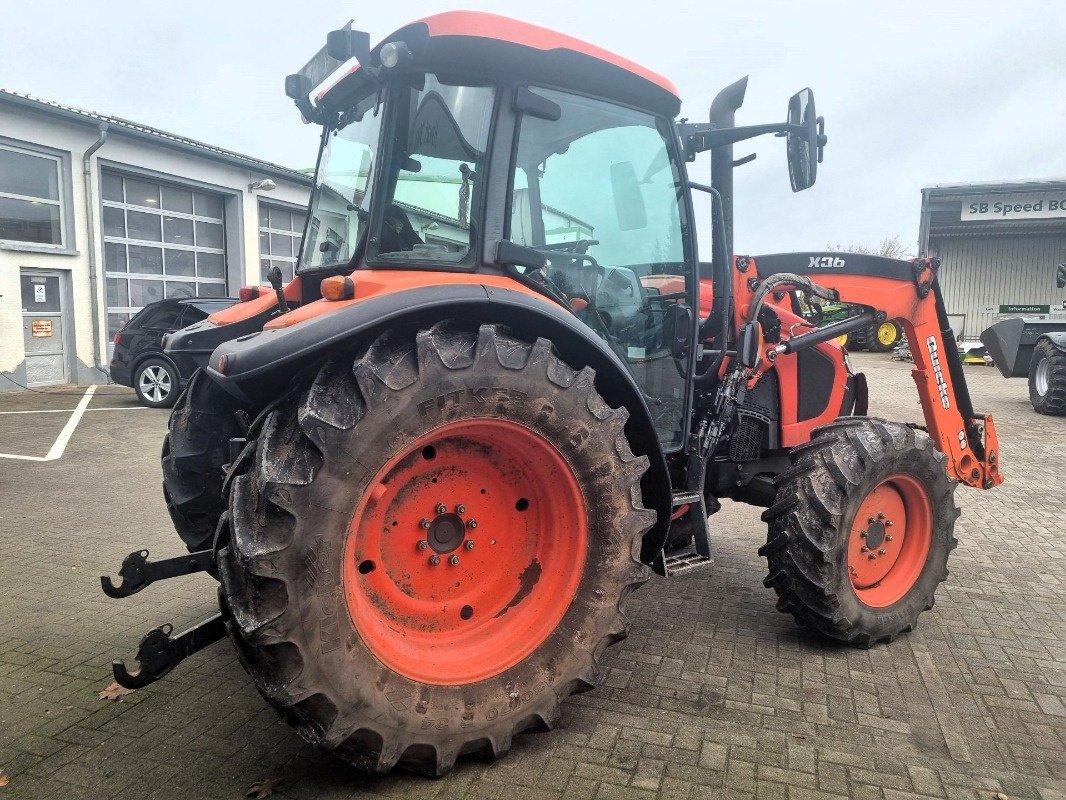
x,y
580,246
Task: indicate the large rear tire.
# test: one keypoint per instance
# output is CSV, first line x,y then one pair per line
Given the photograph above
x,y
194,451
861,529
1047,379
432,547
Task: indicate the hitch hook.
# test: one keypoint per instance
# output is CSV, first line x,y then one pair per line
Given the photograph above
x,y
137,571
159,653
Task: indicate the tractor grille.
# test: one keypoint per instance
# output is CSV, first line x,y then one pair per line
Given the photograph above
x,y
749,437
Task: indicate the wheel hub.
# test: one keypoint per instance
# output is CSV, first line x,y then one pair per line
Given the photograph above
x,y
875,535
446,532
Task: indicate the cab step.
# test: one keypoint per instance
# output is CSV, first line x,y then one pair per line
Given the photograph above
x,y
685,562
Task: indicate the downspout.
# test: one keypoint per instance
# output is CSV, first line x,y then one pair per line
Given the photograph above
x,y
90,216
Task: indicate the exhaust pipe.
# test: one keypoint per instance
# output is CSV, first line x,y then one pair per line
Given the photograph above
x,y
723,115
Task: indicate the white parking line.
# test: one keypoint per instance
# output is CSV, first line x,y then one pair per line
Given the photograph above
x,y
64,410
55,452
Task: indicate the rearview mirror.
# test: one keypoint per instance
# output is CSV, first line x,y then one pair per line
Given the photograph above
x,y
805,140
628,199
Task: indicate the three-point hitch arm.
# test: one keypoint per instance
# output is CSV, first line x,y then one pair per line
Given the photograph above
x,y
887,289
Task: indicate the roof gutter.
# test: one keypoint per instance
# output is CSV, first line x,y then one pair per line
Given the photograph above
x,y
90,226
116,126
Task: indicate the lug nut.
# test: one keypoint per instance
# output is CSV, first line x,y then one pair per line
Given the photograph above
x,y
424,523
870,520
872,556
423,544
888,523
454,561
889,538
862,535
471,523
469,544
881,516
434,560
864,549
882,551
460,509
441,508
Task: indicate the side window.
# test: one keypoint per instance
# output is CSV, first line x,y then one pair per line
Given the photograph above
x,y
437,154
597,192
192,315
161,318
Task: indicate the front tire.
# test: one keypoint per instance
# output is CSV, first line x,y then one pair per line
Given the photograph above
x,y
1047,379
861,529
156,383
432,547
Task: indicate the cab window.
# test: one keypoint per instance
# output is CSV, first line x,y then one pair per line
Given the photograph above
x,y
597,191
436,157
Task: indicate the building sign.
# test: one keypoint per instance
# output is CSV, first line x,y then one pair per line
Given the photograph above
x,y
41,328
1030,205
1023,308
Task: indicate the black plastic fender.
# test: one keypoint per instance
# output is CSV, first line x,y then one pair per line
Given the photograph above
x,y
256,367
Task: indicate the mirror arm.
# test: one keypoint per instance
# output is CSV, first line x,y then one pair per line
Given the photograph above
x,y
698,138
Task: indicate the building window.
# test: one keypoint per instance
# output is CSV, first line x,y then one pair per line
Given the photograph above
x,y
31,198
160,240
280,233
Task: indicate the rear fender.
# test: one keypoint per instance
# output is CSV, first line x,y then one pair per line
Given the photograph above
x,y
257,367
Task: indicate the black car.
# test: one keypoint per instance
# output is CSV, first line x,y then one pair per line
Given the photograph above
x,y
139,360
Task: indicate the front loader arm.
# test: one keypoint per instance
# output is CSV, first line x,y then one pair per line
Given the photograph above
x,y
907,291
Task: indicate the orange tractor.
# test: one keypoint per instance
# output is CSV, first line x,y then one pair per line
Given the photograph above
x,y
503,388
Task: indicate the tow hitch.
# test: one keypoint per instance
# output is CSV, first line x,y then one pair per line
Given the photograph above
x,y
159,652
137,571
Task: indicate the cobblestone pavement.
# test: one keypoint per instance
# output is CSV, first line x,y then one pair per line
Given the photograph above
x,y
715,694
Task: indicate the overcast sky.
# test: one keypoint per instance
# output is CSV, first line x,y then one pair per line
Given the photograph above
x,y
913,93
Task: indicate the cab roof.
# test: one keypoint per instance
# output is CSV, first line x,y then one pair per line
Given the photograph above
x,y
520,51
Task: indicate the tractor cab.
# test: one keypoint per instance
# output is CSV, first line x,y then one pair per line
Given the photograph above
x,y
467,142
440,151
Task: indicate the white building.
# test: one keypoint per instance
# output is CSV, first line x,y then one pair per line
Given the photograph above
x,y
100,216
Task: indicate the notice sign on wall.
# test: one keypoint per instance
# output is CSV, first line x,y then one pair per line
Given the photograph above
x,y
1025,308
1031,205
41,328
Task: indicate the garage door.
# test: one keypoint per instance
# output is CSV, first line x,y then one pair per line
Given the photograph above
x,y
160,240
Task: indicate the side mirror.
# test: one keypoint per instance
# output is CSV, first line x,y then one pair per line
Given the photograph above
x,y
748,344
805,141
628,199
678,328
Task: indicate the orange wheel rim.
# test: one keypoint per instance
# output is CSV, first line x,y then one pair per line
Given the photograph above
x,y
465,552
890,540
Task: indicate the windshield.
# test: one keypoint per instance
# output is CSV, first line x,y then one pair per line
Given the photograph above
x,y
597,192
340,205
436,155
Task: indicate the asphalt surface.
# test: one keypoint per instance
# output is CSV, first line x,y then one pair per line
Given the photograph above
x,y
714,694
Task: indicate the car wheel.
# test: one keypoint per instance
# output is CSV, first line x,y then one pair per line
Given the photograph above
x,y
156,383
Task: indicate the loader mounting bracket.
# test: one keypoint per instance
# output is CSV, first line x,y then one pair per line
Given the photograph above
x,y
137,571
159,652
